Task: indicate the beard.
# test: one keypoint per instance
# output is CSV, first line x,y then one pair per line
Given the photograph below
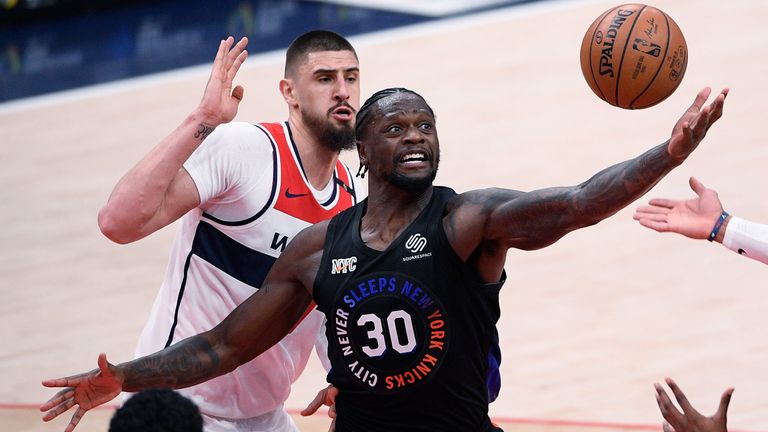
x,y
330,136
416,185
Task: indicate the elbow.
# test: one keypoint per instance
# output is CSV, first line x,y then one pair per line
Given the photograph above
x,y
114,228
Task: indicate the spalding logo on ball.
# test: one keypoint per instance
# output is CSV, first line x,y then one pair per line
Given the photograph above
x,y
633,56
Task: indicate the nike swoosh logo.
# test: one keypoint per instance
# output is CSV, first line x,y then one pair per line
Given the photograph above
x,y
742,252
288,194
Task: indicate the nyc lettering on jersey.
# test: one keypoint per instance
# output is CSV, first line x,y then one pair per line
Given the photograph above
x,y
343,265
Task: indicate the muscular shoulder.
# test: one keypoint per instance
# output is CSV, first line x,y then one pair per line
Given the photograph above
x,y
481,200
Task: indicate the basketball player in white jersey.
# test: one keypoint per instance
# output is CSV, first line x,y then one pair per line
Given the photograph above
x,y
243,191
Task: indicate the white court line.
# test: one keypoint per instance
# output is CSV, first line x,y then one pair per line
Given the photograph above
x,y
366,40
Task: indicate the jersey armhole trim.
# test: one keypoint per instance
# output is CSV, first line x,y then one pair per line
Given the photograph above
x,y
272,193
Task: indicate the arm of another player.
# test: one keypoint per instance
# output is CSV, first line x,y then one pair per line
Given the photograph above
x,y
252,328
690,420
697,218
539,218
157,191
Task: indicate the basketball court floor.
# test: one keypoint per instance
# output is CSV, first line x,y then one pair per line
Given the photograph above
x,y
588,324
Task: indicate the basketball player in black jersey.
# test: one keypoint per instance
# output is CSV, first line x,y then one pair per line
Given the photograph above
x,y
408,279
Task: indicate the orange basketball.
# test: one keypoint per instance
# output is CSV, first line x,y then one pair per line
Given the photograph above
x,y
633,56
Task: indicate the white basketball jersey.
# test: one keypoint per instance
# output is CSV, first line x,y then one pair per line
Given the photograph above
x,y
255,198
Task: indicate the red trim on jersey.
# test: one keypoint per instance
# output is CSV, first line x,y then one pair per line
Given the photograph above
x,y
294,197
310,308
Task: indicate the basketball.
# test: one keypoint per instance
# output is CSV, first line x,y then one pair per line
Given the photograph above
x,y
633,56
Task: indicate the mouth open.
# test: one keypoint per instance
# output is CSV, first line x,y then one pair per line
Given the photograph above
x,y
414,159
343,114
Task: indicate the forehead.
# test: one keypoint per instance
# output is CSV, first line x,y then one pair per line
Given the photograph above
x,y
401,103
329,60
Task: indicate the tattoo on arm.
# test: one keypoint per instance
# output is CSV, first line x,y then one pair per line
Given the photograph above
x,y
617,186
541,217
203,130
189,362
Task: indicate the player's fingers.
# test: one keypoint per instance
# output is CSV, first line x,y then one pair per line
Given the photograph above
x,y
663,202
687,133
104,365
69,381
700,99
238,93
651,217
234,53
332,412
316,403
232,71
218,61
653,209
58,398
718,104
331,396
681,398
61,408
654,225
666,427
725,399
696,186
702,122
667,408
332,428
76,417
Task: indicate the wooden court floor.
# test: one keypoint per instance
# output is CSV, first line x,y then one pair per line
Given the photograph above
x,y
588,324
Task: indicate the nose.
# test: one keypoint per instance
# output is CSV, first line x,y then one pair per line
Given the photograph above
x,y
413,135
341,91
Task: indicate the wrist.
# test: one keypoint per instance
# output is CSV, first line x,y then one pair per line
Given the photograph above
x,y
674,160
202,123
717,229
721,234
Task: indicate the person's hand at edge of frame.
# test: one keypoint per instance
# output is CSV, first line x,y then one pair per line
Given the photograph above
x,y
87,391
690,420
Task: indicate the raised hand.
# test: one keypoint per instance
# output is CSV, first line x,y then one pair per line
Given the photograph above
x,y
692,218
327,397
220,101
691,128
690,420
87,391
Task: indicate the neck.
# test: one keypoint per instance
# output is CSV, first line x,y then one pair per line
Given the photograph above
x,y
318,160
389,211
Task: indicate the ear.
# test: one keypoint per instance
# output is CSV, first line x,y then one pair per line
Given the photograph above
x,y
361,152
287,90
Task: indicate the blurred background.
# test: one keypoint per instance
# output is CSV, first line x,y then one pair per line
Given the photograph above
x,y
588,324
53,45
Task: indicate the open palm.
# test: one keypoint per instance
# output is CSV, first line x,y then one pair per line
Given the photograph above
x,y
87,391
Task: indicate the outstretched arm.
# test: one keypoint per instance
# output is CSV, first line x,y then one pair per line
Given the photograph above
x,y
253,327
158,190
703,218
690,420
539,218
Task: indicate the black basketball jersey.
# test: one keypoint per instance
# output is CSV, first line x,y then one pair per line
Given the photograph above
x,y
409,328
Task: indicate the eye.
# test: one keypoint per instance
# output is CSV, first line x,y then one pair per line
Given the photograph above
x,y
394,129
324,79
351,79
426,126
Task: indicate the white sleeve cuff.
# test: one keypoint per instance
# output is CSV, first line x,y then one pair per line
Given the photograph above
x,y
747,238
